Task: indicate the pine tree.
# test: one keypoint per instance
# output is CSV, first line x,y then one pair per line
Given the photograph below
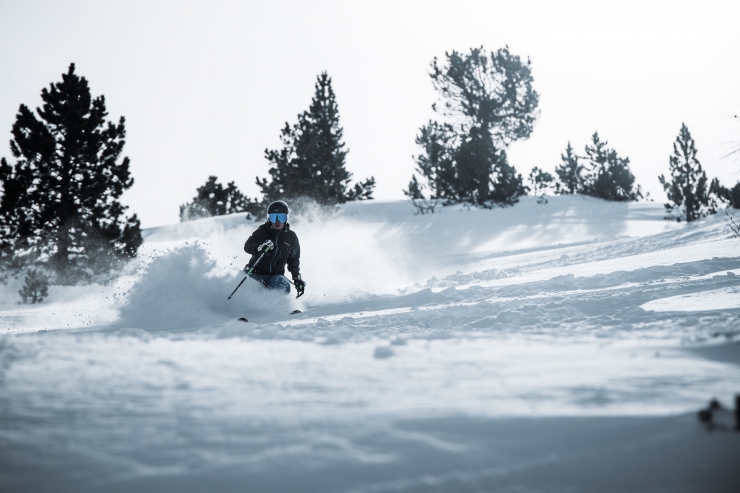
x,y
59,203
475,158
687,189
733,197
506,184
607,176
311,162
569,173
435,165
490,99
540,180
490,90
484,176
35,287
215,200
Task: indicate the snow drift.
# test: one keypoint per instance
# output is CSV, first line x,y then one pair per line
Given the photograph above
x,y
457,351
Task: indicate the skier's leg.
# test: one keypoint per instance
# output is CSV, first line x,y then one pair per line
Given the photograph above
x,y
260,278
278,282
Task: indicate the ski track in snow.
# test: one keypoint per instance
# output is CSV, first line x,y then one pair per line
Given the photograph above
x,y
574,308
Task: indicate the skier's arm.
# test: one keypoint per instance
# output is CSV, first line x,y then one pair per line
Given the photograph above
x,y
294,260
252,243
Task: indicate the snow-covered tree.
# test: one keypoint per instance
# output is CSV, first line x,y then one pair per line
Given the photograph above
x,y
311,162
687,186
59,203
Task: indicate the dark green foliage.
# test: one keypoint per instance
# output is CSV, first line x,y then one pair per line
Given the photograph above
x,y
730,196
35,287
361,191
215,200
607,176
490,90
436,164
419,199
540,180
508,185
733,197
59,205
688,193
311,162
570,171
484,176
489,97
475,159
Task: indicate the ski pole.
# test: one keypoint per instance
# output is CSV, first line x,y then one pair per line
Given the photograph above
x,y
248,272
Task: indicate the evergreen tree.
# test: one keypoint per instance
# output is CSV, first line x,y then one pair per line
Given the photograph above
x,y
422,201
569,173
507,184
215,200
436,165
35,287
540,180
733,196
492,91
607,176
718,193
490,99
484,176
311,162
475,158
59,204
687,189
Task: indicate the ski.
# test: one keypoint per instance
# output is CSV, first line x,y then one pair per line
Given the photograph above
x,y
294,312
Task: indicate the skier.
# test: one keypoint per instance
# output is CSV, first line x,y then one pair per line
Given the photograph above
x,y
281,246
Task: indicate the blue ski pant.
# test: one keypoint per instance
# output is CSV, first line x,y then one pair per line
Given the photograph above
x,y
276,281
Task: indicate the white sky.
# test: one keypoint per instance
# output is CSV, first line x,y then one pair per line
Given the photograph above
x,y
207,86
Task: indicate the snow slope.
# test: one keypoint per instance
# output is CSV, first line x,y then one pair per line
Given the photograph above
x,y
534,326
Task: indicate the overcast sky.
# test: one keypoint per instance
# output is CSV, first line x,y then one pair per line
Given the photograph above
x,y
206,86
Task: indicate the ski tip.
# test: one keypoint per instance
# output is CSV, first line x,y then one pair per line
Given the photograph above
x,y
242,319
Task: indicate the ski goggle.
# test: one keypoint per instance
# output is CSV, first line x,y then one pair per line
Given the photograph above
x,y
278,216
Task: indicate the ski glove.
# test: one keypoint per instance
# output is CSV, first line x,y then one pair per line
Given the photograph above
x,y
300,286
268,244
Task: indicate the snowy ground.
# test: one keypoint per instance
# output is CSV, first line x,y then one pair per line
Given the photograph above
x,y
545,347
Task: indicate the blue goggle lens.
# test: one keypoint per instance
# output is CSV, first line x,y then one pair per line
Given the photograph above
x,y
278,216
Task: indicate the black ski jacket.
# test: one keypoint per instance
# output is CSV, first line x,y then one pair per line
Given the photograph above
x,y
286,251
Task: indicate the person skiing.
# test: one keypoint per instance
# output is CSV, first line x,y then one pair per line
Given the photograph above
x,y
280,246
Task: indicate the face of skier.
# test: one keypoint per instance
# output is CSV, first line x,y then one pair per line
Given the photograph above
x,y
277,219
